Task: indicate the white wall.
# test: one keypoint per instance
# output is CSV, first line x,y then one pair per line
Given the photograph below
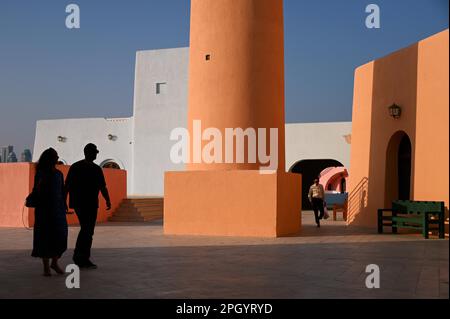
x,y
79,132
318,141
143,141
155,116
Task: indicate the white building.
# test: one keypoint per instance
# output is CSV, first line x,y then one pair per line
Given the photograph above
x,y
141,144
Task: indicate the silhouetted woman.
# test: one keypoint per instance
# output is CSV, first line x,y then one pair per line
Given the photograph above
x,y
50,227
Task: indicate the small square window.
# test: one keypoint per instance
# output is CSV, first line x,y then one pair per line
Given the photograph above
x,y
161,88
208,57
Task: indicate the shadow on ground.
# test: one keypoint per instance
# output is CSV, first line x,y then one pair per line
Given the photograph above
x,y
408,270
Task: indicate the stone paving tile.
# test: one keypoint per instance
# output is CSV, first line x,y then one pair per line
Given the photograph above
x,y
428,285
138,261
444,290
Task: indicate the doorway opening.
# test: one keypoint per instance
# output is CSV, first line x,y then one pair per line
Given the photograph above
x,y
311,169
110,164
398,168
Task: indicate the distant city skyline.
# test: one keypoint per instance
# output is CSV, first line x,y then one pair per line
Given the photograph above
x,y
8,155
26,156
4,153
50,72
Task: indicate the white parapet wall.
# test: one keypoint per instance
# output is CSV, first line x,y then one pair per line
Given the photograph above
x,y
160,105
68,137
318,141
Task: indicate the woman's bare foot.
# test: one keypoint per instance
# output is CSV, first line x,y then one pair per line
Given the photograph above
x,y
56,267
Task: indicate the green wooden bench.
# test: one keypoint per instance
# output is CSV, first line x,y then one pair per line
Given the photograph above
x,y
414,215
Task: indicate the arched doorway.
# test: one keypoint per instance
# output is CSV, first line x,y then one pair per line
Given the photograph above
x,y
110,164
398,168
404,169
343,185
311,169
334,179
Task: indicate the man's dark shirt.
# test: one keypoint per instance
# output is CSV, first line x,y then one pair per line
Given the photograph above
x,y
84,181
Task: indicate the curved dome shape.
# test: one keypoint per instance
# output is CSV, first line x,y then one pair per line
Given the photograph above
x,y
332,177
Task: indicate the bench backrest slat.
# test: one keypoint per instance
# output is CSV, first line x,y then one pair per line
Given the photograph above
x,y
336,199
417,207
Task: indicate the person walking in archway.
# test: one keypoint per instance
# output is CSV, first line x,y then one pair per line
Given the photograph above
x,y
316,197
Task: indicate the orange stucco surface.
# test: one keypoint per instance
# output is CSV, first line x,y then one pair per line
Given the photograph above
x,y
242,85
417,79
15,185
16,182
236,80
232,203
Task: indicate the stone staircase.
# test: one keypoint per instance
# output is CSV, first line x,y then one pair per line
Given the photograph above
x,y
139,210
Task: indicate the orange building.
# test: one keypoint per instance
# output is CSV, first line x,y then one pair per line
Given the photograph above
x,y
236,80
405,157
17,181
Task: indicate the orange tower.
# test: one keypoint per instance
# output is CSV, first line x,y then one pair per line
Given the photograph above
x,y
236,66
236,81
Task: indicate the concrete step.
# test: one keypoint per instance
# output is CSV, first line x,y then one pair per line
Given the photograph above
x,y
139,210
145,198
138,214
126,206
125,210
151,215
129,205
150,209
122,219
126,219
151,200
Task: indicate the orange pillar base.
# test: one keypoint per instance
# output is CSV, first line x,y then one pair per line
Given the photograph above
x,y
232,203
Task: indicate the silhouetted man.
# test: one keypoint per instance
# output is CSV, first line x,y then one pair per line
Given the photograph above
x,y
84,182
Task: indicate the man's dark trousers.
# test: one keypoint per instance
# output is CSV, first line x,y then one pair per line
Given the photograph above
x,y
318,206
87,217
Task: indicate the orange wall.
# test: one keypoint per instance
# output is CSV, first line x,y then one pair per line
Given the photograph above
x,y
16,182
15,185
232,203
242,86
432,127
416,78
361,136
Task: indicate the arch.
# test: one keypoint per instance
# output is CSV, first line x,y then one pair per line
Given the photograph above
x,y
111,163
398,168
62,161
334,179
310,169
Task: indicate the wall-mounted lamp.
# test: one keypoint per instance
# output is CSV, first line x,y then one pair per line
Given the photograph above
x,y
112,137
62,139
348,138
395,111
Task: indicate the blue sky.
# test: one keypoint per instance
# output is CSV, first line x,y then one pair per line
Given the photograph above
x,y
49,72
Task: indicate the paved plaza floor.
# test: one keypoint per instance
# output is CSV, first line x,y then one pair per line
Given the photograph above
x,y
138,261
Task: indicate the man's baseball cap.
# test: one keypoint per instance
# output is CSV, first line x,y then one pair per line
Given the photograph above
x,y
91,148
